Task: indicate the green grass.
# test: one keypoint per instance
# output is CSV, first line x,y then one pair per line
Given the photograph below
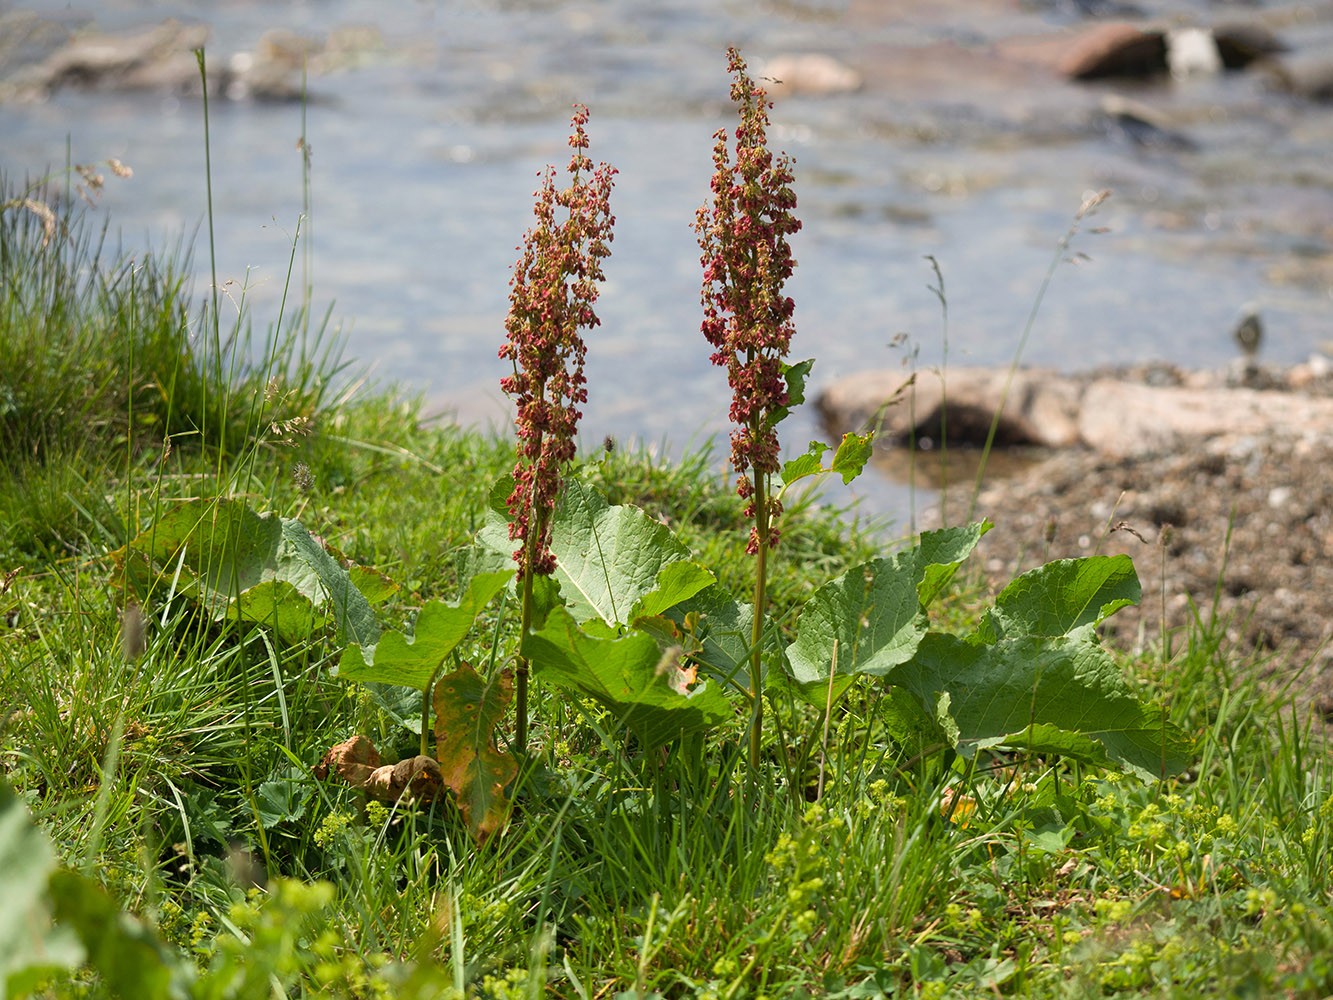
x,y
179,778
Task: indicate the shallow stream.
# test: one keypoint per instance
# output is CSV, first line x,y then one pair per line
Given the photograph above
x,y
425,156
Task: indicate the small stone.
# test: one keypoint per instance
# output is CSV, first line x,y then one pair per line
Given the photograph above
x,y
1278,496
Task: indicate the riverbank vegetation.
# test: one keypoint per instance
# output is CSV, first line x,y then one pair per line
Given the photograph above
x,y
235,582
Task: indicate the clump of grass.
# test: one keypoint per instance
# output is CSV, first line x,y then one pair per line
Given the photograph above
x,y
101,367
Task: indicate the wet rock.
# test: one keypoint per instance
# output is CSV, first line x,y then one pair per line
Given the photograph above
x,y
27,38
1123,419
1240,44
1309,76
1087,8
811,74
162,58
1114,50
158,57
1141,126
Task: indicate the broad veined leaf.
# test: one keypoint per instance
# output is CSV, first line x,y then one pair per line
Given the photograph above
x,y
467,710
279,605
607,557
1010,691
630,676
301,555
723,630
440,627
211,550
795,375
1062,596
374,586
874,613
940,553
912,727
809,464
853,452
676,582
218,551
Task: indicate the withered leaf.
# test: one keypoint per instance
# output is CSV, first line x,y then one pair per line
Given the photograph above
x,y
357,762
467,710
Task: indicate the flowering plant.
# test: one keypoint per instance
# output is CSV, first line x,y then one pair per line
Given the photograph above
x,y
552,293
746,258
748,321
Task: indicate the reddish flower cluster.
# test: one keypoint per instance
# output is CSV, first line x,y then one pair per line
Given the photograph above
x,y
746,259
552,293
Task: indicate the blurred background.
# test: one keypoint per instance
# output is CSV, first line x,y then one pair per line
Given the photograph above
x,y
970,130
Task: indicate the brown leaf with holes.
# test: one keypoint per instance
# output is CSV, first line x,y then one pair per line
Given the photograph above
x,y
357,762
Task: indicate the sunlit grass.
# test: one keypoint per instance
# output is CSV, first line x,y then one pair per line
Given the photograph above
x,y
177,772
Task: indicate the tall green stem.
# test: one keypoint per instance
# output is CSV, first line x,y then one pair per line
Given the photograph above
x,y
521,688
761,512
208,189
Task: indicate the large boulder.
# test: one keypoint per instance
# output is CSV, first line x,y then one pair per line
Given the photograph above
x,y
1149,411
1042,408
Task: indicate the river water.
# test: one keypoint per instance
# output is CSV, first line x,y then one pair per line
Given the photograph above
x,y
424,159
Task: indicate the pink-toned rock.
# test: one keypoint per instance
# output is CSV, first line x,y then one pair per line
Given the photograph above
x,y
92,57
1114,49
1042,407
1120,417
809,73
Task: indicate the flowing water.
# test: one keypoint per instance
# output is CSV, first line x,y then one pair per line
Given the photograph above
x,y
425,156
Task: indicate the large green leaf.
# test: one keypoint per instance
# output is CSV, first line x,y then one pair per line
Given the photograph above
x,y
307,564
1062,597
874,613
1010,691
677,582
642,687
940,553
30,947
607,557
218,551
277,604
440,627
723,631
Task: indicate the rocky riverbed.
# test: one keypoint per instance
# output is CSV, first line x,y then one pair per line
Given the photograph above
x,y
1235,526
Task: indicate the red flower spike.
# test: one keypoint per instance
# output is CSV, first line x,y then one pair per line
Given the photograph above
x,y
551,298
746,258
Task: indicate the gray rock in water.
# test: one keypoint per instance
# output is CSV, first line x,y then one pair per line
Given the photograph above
x,y
1242,43
1249,332
1309,75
